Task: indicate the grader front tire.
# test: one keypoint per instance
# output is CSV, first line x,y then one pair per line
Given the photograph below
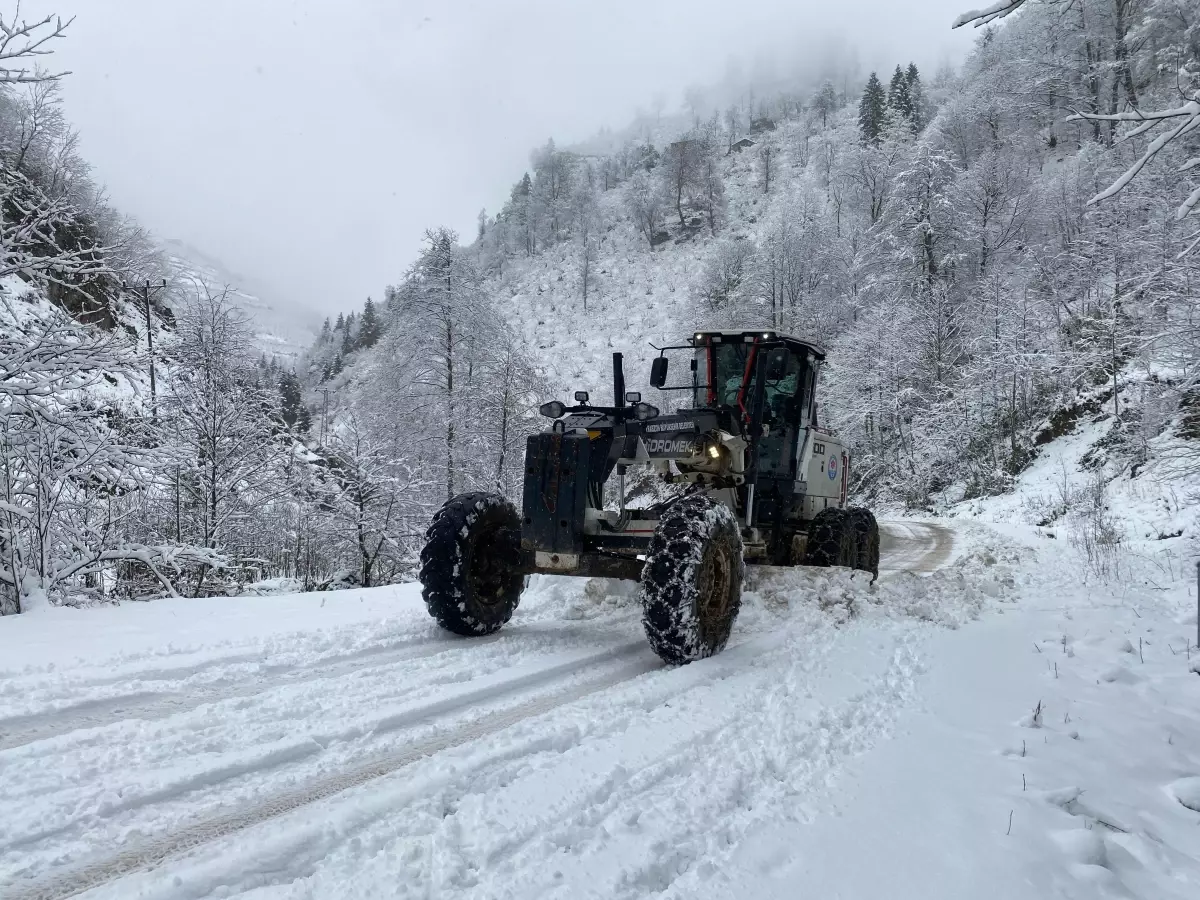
x,y
471,575
692,580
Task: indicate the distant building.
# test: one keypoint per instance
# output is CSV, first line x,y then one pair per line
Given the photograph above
x,y
742,145
684,144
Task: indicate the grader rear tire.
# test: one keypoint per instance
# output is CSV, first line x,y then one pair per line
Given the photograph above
x,y
866,540
471,575
692,580
830,540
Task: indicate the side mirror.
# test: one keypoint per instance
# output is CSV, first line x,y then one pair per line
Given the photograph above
x,y
658,372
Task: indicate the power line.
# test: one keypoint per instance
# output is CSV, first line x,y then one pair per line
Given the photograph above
x,y
146,290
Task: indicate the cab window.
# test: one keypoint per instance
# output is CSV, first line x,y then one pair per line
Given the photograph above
x,y
784,379
730,370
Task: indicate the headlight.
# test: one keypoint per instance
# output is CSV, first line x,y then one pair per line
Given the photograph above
x,y
709,456
644,411
553,409
716,455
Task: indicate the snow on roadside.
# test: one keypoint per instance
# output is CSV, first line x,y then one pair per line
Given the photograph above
x,y
1069,706
1093,699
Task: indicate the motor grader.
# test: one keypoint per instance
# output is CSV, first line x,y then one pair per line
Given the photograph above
x,y
746,473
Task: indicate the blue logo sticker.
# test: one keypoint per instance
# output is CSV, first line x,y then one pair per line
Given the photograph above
x,y
832,468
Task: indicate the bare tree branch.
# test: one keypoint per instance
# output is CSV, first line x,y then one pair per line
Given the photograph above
x,y
1189,113
22,41
978,17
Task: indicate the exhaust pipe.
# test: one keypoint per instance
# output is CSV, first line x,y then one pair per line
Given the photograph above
x,y
618,381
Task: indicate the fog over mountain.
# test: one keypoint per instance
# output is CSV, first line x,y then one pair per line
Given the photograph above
x,y
328,138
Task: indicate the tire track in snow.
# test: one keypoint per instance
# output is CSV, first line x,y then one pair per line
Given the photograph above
x,y
814,756
907,546
294,852
148,705
150,854
748,761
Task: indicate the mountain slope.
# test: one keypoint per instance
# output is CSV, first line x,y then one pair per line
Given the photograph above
x,y
281,329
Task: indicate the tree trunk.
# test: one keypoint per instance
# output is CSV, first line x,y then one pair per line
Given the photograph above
x,y
1121,50
363,553
679,179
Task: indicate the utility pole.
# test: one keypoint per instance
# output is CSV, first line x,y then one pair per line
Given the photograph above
x,y
146,290
324,415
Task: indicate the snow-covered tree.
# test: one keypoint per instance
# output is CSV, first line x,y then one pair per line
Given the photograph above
x,y
724,273
369,326
766,162
710,179
825,101
291,403
645,202
73,463
218,421
510,389
899,97
363,493
40,236
586,225
916,97
446,318
23,43
872,110
680,171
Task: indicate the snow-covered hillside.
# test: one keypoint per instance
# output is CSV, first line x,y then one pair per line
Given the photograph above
x,y
281,329
637,299
947,236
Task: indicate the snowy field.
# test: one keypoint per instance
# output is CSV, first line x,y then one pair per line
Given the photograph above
x,y
981,722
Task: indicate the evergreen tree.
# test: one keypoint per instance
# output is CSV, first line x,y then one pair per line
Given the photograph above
x,y
338,365
899,101
326,331
341,323
825,101
369,327
291,402
872,110
646,157
347,340
520,217
916,96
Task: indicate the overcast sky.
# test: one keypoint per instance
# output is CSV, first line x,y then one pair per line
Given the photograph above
x,y
309,144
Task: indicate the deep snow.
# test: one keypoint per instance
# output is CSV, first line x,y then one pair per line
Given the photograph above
x,y
853,741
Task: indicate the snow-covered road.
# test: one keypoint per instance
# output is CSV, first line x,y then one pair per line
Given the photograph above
x,y
914,546
341,746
